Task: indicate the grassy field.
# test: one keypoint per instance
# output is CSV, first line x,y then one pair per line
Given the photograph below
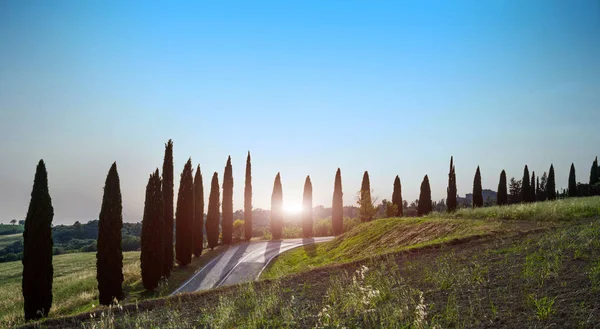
x,y
541,279
75,286
385,236
5,240
559,210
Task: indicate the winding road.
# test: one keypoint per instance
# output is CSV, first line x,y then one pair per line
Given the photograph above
x,y
241,262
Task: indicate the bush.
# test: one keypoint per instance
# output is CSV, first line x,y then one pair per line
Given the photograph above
x,y
238,229
292,232
350,223
130,243
323,227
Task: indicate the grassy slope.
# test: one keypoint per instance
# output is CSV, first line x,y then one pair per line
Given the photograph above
x,y
395,234
379,237
541,280
5,240
75,285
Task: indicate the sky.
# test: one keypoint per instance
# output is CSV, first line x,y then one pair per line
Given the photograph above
x,y
392,87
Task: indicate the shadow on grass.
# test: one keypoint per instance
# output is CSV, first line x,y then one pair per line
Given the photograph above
x,y
309,246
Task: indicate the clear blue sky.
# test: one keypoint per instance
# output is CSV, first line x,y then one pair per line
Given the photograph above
x,y
393,87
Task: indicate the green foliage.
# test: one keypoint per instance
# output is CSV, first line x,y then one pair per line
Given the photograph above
x,y
396,199
425,206
238,229
551,185
11,229
391,210
184,216
37,253
594,172
277,209
526,186
337,208
248,200
151,257
167,190
198,225
477,190
227,216
502,197
307,209
323,227
572,183
452,193
543,306
212,215
110,256
366,208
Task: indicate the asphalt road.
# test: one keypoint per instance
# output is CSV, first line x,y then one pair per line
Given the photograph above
x,y
241,262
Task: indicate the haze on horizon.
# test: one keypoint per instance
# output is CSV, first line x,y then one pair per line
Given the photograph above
x,y
392,87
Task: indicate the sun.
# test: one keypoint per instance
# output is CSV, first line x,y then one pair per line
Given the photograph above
x,y
292,209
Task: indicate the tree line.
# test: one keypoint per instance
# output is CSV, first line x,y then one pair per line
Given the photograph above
x,y
171,235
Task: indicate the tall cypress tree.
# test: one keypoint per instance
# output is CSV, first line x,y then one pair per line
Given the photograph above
x,y
277,209
337,208
248,200
198,227
365,196
397,196
212,214
477,190
532,190
425,205
452,193
526,186
37,249
151,257
227,219
109,258
167,190
572,182
184,215
502,197
551,185
307,209
538,192
594,172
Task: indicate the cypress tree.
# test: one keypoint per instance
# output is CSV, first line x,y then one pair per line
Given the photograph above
x,y
397,197
594,173
502,197
248,200
452,193
538,193
425,205
551,185
37,249
337,209
212,214
151,257
167,190
277,209
109,257
572,182
227,219
307,209
198,226
477,190
184,215
526,186
365,195
533,195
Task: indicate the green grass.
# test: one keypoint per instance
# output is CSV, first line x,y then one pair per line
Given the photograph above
x,y
467,285
559,210
10,229
5,240
379,237
75,286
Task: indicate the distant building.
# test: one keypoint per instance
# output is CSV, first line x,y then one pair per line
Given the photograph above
x,y
489,197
